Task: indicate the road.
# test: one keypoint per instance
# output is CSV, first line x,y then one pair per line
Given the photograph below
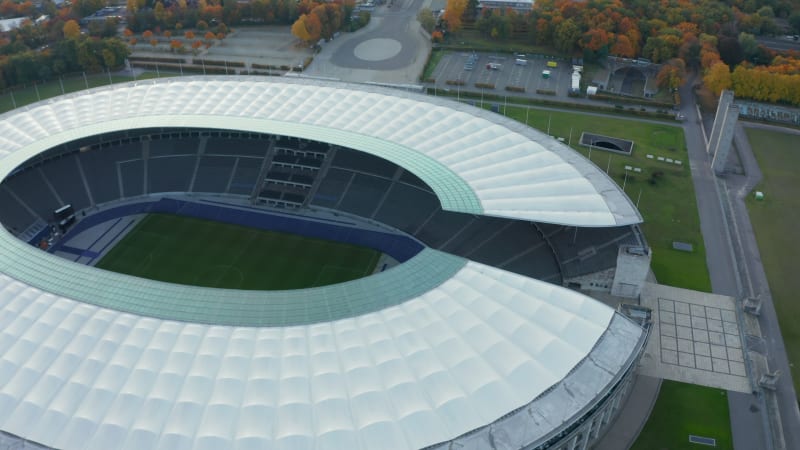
x,y
754,281
749,425
779,43
390,49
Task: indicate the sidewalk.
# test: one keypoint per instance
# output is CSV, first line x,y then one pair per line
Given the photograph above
x,y
635,412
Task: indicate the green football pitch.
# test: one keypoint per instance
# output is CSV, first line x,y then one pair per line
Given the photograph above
x,y
199,252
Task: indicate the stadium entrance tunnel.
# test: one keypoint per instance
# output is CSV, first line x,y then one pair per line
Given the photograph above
x,y
608,143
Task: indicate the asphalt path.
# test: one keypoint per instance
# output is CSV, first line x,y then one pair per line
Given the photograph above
x,y
754,281
725,243
780,43
395,23
747,424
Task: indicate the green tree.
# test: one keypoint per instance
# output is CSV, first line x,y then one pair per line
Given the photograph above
x,y
426,19
794,21
566,35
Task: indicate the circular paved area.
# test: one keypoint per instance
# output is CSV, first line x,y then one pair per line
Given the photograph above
x,y
391,43
377,49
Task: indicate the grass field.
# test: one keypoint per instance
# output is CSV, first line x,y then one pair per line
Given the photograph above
x,y
664,191
21,96
198,252
683,409
774,220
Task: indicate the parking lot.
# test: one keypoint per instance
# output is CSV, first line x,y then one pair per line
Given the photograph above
x,y
520,73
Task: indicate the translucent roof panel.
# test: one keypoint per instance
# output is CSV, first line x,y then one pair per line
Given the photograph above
x,y
483,343
436,349
475,161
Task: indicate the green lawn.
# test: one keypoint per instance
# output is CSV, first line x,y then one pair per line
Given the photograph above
x,y
29,94
668,204
683,409
198,252
774,220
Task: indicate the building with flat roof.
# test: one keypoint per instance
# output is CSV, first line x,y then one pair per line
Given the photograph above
x,y
521,6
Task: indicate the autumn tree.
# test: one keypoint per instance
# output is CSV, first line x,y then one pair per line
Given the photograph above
x,y
71,30
622,47
566,36
330,18
189,35
718,78
453,13
307,28
176,44
672,74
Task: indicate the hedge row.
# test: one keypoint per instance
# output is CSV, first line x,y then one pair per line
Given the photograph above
x,y
211,62
630,101
545,102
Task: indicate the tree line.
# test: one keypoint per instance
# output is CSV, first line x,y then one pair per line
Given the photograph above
x,y
56,46
680,34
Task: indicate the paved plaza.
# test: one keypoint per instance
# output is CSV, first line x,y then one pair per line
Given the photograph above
x,y
695,339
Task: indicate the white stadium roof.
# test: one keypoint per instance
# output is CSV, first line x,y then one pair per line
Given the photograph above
x,y
449,350
475,161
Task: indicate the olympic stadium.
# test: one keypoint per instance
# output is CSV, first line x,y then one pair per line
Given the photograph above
x,y
477,335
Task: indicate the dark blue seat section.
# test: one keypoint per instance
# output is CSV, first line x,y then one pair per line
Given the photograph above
x,y
244,180
63,174
409,178
331,188
12,214
589,250
406,208
364,195
364,162
170,173
231,146
443,226
100,167
132,173
167,145
213,173
399,247
30,187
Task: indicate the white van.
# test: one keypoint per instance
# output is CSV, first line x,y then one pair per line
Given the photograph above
x,y
521,62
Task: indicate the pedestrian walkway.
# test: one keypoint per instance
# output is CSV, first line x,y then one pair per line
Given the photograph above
x,y
695,338
634,415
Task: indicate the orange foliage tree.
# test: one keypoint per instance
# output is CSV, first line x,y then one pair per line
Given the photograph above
x,y
718,78
307,28
453,13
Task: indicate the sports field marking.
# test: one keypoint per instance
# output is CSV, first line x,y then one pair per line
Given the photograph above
x,y
186,250
217,276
